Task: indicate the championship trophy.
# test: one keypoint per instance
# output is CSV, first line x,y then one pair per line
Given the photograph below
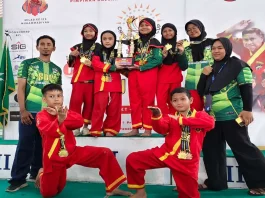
x,y
129,60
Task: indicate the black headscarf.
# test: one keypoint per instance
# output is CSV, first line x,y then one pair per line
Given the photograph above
x,y
225,70
87,43
146,37
169,59
197,50
106,50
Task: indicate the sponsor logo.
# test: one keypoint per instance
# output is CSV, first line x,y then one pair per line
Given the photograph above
x,y
34,7
18,46
19,57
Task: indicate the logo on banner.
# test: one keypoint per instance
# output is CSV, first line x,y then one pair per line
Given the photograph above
x,y
34,7
18,47
19,57
68,71
130,18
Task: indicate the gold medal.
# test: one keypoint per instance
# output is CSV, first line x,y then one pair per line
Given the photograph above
x,y
168,46
83,60
182,155
142,62
63,153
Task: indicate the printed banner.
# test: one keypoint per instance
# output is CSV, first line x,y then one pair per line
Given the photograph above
x,y
63,20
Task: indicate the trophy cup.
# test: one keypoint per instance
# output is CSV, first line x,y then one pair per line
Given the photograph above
x,y
129,60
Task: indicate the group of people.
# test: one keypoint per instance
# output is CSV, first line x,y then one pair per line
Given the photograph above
x,y
217,99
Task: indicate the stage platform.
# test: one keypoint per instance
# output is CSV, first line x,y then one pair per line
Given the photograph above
x,y
96,190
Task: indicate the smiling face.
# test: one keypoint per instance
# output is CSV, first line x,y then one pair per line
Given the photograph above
x,y
218,51
145,28
89,33
168,33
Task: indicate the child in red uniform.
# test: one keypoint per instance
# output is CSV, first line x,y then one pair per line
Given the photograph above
x,y
142,78
170,73
184,133
83,76
60,152
107,89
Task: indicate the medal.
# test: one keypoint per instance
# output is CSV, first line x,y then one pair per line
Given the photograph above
x,y
142,62
83,60
168,46
182,155
63,153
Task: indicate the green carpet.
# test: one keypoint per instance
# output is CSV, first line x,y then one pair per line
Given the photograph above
x,y
96,190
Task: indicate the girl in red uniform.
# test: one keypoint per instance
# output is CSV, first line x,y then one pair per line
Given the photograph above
x,y
107,89
143,77
83,76
170,73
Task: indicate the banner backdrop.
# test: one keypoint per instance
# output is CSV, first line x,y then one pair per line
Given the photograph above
x,y
63,20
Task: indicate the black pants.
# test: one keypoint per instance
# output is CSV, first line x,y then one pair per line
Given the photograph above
x,y
249,158
28,156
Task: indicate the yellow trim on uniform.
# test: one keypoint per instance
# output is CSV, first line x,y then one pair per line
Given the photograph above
x,y
55,142
87,121
111,130
147,126
158,118
193,113
102,85
58,131
138,124
106,67
95,132
79,72
256,55
135,186
180,121
173,152
116,182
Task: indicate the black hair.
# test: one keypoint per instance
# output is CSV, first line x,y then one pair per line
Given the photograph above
x,y
45,37
51,87
180,90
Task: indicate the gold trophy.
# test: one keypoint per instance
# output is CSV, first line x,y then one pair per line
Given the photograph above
x,y
129,60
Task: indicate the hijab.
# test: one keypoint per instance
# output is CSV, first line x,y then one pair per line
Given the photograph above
x,y
87,43
99,51
170,57
225,70
197,49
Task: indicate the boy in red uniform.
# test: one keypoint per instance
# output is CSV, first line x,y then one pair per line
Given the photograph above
x,y
107,89
184,133
83,76
60,152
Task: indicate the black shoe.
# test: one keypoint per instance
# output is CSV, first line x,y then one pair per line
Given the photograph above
x,y
15,187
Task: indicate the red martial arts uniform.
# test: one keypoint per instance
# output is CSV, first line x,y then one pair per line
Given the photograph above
x,y
107,98
185,171
142,88
53,178
83,88
169,78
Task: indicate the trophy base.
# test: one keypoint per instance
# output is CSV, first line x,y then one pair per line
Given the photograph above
x,y
126,61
